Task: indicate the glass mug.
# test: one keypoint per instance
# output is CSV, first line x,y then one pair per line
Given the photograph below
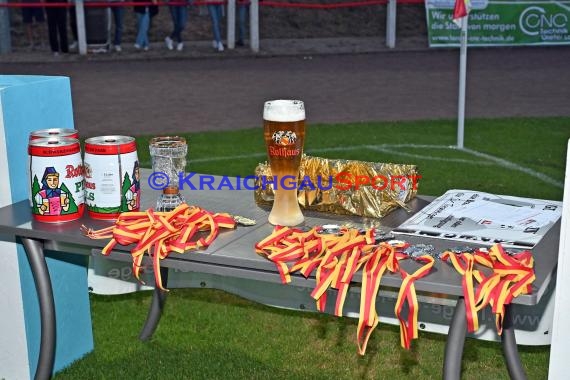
x,y
284,133
168,155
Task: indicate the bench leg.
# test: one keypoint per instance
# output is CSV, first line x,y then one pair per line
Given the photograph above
x,y
156,306
510,351
35,254
455,342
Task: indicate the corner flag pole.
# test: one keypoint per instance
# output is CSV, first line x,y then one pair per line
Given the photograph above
x,y
462,77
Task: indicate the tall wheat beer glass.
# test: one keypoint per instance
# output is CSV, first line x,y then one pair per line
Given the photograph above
x,y
284,132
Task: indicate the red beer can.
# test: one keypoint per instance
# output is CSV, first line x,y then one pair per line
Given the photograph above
x,y
56,179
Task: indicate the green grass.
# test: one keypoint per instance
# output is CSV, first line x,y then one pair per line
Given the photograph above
x,y
535,143
208,334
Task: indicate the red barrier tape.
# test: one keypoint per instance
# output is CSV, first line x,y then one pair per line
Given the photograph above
x,y
273,4
102,4
279,4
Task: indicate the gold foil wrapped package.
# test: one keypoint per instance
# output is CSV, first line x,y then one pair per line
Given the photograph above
x,y
349,187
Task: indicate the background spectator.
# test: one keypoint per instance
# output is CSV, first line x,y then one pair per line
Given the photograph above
x,y
118,17
215,11
57,28
243,11
31,18
73,26
144,15
179,15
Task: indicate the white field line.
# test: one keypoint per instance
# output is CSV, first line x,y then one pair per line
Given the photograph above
x,y
386,148
511,165
382,148
389,148
227,158
411,155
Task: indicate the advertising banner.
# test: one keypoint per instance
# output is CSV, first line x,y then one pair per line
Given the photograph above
x,y
501,23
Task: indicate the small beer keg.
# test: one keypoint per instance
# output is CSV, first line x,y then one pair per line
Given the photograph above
x,y
112,177
56,179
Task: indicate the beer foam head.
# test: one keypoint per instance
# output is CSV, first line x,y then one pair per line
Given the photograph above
x,y
284,110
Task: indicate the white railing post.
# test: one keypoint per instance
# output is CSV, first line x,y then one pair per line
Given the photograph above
x,y
462,82
391,24
81,38
231,37
254,26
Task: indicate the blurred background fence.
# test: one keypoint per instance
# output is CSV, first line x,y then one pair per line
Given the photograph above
x,y
296,19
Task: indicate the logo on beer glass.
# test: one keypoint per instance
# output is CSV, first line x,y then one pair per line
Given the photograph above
x,y
284,140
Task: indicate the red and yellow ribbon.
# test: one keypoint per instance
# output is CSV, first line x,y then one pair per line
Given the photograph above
x,y
334,259
409,325
511,276
159,233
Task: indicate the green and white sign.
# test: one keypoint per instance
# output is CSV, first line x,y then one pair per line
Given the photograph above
x,y
501,23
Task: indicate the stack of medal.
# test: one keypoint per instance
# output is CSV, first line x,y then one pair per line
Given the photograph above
x,y
334,254
337,253
513,274
112,176
55,175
